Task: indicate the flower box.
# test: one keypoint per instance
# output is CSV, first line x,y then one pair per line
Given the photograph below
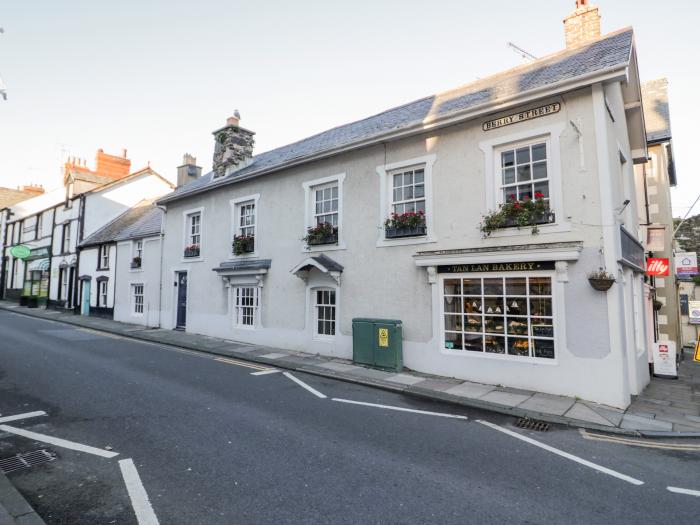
x,y
406,231
325,239
192,251
243,244
546,217
324,233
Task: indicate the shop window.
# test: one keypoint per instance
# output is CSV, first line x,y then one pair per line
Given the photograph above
x,y
246,304
508,316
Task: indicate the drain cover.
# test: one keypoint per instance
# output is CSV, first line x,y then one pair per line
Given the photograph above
x,y
532,424
28,460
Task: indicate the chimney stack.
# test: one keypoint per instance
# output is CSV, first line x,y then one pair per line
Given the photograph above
x,y
34,189
189,170
582,25
233,147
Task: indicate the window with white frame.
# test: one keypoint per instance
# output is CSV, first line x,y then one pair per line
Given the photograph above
x,y
524,172
194,225
408,190
66,238
138,249
324,308
507,316
326,204
246,305
103,258
102,294
246,219
137,298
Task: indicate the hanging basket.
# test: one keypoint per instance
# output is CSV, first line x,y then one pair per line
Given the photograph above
x,y
602,285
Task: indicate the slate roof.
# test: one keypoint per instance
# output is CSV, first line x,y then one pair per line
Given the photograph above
x,y
610,51
9,196
656,113
143,220
328,263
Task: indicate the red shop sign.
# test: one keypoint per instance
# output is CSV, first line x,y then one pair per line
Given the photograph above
x,y
658,267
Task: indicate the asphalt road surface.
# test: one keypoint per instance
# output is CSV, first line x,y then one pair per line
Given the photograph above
x,y
213,444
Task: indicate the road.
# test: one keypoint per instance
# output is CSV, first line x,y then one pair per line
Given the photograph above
x,y
213,444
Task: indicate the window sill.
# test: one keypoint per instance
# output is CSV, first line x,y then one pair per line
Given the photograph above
x,y
192,259
557,227
500,357
323,248
136,270
404,241
324,338
251,255
247,328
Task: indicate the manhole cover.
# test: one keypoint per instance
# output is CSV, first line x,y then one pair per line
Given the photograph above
x,y
27,460
532,424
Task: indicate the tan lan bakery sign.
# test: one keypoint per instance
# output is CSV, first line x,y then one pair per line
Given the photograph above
x,y
530,114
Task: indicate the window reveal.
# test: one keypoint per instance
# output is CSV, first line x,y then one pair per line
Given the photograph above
x,y
499,315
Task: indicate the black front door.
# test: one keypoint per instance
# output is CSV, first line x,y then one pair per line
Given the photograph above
x,y
181,299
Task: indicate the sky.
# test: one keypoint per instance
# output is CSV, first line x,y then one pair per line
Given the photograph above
x,y
158,76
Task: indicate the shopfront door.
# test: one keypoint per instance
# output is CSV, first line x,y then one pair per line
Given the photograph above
x,y
181,300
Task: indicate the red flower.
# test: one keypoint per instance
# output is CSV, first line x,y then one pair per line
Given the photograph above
x,y
539,195
512,197
516,206
526,198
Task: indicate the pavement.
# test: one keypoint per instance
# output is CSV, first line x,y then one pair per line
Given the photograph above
x,y
667,408
14,509
212,440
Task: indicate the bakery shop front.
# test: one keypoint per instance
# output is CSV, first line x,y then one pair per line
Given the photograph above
x,y
499,309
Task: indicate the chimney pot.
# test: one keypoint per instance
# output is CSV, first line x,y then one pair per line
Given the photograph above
x,y
189,170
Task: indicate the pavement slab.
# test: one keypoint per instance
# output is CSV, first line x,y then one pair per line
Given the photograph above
x,y
548,404
274,355
507,399
471,390
339,367
632,422
405,379
437,385
582,412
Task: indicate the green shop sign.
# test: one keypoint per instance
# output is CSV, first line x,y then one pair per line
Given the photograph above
x,y
20,252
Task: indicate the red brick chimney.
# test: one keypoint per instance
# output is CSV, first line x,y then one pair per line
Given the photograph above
x,y
112,166
34,189
583,25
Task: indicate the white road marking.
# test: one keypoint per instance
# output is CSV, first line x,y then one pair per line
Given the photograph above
x,y
58,442
400,409
137,493
304,385
265,372
687,492
563,454
7,419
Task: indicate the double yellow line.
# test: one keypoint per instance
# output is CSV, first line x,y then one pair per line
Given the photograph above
x,y
638,442
241,363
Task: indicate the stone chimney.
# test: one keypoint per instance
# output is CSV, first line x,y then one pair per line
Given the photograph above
x,y
233,147
189,170
583,25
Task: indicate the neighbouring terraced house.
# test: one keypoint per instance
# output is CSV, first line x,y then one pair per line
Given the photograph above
x,y
412,214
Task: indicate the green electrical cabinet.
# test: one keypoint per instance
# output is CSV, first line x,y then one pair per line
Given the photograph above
x,y
377,343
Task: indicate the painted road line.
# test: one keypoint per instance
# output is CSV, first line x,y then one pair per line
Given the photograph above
x,y
265,372
240,363
687,492
304,385
7,419
137,493
58,442
563,454
400,409
637,442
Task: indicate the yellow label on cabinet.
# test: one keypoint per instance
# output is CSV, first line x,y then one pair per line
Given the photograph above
x,y
696,357
384,337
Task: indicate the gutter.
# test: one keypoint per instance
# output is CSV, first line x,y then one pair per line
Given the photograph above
x,y
609,74
160,264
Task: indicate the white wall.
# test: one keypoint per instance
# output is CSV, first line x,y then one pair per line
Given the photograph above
x,y
148,275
